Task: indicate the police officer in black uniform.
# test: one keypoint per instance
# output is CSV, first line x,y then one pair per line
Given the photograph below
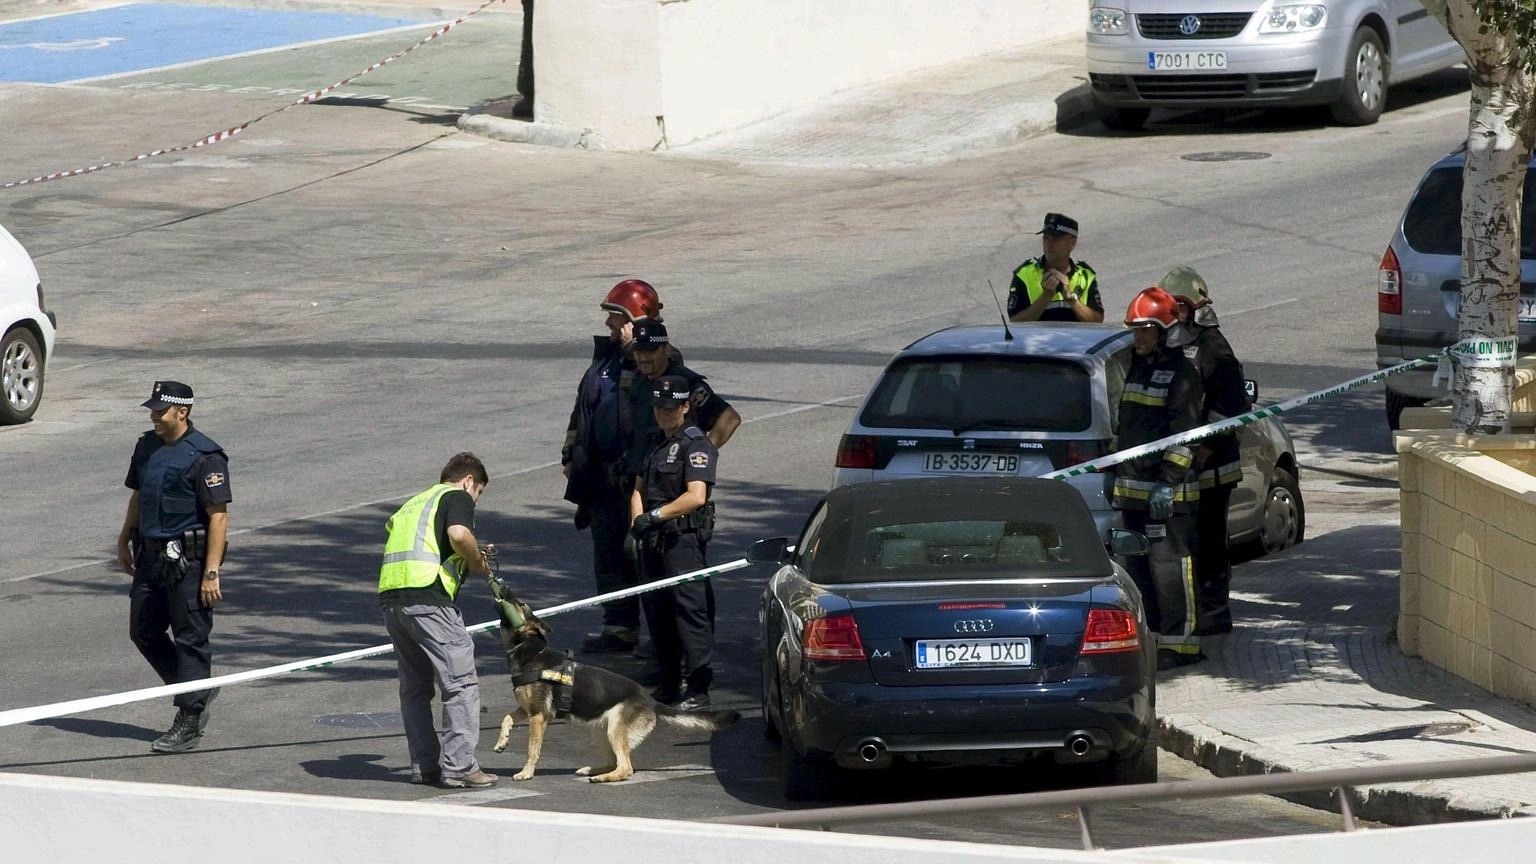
x,y
656,356
172,543
673,520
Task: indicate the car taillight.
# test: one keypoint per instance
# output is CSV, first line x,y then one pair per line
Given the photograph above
x,y
1389,285
835,637
1110,631
1079,452
857,451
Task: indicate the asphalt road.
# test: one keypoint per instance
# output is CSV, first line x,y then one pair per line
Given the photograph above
x,y
357,292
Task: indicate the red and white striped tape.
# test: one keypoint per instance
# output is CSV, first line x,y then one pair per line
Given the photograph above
x,y
236,130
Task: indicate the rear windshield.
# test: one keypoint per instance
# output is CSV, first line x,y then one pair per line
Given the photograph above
x,y
1432,224
906,542
971,393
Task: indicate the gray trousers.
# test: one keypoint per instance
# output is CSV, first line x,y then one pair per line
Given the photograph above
x,y
433,648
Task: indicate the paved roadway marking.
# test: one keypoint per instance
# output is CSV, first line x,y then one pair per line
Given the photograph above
x,y
141,36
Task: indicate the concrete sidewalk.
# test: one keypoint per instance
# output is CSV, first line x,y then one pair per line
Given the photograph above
x,y
1312,678
929,116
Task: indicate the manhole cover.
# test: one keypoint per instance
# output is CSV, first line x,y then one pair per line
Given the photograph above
x,y
1225,156
381,720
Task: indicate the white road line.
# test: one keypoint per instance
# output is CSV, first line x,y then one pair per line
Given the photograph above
x,y
111,562
401,29
62,14
651,775
1259,308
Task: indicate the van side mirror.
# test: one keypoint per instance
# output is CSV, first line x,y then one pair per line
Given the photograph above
x,y
1251,388
1123,542
772,551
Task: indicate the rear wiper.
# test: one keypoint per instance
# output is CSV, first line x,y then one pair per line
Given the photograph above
x,y
999,422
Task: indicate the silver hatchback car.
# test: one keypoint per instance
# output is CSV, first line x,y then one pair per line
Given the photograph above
x,y
1418,284
1145,54
966,401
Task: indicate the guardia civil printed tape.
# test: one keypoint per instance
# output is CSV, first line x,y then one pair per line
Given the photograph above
x,y
232,131
17,716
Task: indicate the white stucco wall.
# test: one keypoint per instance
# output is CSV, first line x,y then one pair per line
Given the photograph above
x,y
707,66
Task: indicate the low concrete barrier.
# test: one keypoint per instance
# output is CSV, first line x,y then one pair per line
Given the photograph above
x,y
1468,587
65,820
649,74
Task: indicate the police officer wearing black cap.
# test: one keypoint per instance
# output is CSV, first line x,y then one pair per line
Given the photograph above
x,y
172,544
1053,287
673,520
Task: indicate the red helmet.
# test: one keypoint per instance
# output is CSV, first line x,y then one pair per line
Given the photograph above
x,y
1152,306
634,299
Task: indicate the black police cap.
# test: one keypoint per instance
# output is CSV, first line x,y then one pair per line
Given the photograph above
x,y
168,393
650,335
1058,223
671,391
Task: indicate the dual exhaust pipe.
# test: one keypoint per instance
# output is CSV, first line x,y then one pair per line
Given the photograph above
x,y
872,750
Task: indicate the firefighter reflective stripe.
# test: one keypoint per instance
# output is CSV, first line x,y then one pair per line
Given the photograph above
x,y
1184,642
1180,456
1140,490
412,558
1155,397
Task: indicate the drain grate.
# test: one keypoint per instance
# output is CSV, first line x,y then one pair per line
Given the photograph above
x,y
1225,156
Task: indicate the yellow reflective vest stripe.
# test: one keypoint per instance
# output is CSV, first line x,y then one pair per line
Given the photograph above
x,y
412,558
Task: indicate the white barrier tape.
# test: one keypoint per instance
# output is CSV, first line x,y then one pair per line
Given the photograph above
x,y
1484,352
92,703
1253,416
231,132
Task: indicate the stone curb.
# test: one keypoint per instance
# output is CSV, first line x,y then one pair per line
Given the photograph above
x,y
1425,802
1070,110
524,132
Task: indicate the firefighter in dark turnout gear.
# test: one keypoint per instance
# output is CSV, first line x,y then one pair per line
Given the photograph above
x,y
673,521
1158,494
172,543
598,477
1198,335
1054,287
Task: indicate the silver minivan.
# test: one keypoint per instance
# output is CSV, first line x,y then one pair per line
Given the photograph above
x,y
968,401
1145,54
1418,283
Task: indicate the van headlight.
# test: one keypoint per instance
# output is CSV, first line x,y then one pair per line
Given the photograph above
x,y
1106,21
1294,19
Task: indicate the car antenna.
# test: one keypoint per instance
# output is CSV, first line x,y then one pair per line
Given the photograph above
x,y
1007,334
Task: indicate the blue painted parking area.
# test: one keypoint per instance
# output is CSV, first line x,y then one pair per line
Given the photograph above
x,y
143,36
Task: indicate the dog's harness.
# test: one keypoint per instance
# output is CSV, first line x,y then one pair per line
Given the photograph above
x,y
560,674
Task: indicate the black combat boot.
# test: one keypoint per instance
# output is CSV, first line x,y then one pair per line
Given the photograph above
x,y
183,735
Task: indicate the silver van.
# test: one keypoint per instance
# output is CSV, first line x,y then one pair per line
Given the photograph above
x,y
967,401
1145,54
1418,283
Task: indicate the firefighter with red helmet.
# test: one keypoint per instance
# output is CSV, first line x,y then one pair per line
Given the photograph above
x,y
594,457
1158,494
1218,457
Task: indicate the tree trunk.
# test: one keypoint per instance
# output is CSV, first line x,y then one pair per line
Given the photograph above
x,y
1499,141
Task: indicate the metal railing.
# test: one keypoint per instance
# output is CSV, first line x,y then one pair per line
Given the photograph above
x,y
1342,781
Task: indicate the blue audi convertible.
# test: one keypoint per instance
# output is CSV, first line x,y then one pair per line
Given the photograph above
x,y
958,620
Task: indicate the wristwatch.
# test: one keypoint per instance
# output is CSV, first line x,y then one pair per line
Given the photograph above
x,y
210,575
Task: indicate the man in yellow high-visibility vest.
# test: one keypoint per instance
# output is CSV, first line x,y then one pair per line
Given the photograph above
x,y
1054,287
431,546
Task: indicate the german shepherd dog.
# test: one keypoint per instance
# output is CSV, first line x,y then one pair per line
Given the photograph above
x,y
621,713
